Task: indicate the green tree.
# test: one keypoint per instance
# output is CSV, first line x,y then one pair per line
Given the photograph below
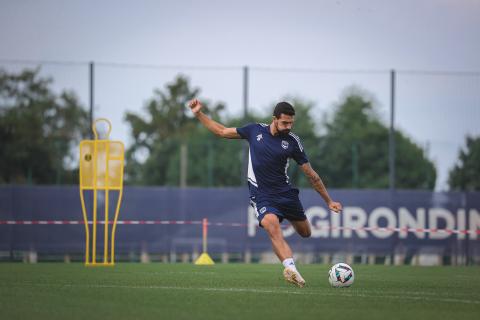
x,y
39,130
465,175
157,136
154,157
354,151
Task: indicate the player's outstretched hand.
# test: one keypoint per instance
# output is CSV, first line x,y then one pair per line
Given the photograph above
x,y
335,206
195,105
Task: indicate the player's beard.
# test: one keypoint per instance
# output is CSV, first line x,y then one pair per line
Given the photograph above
x,y
283,132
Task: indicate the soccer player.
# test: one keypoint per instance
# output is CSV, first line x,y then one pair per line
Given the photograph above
x,y
271,194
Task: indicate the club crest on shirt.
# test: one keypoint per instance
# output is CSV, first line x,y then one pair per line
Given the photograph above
x,y
284,144
259,137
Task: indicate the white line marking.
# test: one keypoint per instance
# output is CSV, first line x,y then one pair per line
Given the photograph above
x,y
339,292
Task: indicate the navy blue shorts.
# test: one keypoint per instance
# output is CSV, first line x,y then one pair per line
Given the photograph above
x,y
284,205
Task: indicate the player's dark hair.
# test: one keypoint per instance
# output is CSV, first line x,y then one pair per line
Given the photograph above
x,y
285,108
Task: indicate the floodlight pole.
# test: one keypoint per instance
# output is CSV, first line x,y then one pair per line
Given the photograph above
x,y
91,82
245,116
391,144
245,91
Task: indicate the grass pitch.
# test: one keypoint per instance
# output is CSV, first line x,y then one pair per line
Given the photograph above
x,y
234,291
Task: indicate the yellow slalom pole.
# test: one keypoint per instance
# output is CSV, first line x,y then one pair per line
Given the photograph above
x,y
205,223
204,258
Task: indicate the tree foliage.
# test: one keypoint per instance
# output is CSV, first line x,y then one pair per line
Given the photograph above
x,y
465,175
354,151
38,129
154,157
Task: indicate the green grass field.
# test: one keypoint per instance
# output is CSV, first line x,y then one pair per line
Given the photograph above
x,y
233,291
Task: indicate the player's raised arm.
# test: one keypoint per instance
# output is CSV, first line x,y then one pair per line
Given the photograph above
x,y
215,127
318,185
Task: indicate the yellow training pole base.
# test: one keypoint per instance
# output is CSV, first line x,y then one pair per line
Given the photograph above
x,y
204,260
100,264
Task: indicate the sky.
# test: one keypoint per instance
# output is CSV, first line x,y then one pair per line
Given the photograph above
x,y
278,40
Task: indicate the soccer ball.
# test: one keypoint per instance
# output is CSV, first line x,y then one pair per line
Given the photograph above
x,y
341,275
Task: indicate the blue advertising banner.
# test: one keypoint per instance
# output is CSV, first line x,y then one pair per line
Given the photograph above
x,y
373,221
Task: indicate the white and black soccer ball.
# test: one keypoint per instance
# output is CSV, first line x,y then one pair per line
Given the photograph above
x,y
341,275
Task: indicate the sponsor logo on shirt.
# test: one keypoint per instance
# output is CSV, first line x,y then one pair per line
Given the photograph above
x,y
259,137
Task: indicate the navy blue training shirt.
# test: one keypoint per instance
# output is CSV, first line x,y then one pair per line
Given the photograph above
x,y
269,155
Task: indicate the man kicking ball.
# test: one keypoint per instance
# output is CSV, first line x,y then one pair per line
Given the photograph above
x,y
271,194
